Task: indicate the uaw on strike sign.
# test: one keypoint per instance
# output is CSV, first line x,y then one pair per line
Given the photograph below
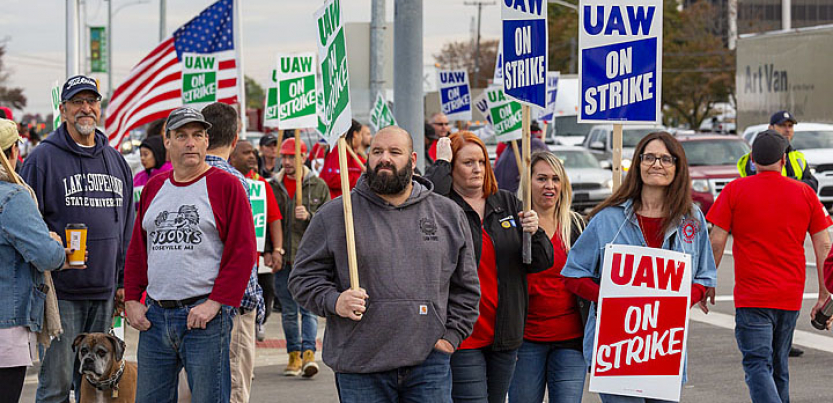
x,y
524,43
642,322
620,54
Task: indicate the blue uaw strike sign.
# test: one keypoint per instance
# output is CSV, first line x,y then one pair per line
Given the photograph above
x,y
525,51
455,99
620,54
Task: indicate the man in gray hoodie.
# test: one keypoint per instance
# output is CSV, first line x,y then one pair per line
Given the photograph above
x,y
392,339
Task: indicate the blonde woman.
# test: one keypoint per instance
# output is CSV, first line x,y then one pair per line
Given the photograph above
x,y
551,354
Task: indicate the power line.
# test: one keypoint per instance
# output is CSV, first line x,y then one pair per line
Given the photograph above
x,y
480,5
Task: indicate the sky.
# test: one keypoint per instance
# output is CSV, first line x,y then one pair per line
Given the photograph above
x,y
34,33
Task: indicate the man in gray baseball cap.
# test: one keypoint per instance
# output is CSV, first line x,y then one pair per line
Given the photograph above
x,y
182,116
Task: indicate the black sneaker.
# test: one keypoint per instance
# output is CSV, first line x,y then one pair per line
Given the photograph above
x,y
796,352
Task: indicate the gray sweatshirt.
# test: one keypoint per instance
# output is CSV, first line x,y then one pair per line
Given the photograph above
x,y
416,262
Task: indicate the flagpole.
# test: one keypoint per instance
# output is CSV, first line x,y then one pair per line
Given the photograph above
x,y
238,55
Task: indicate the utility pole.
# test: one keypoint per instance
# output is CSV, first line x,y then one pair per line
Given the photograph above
x,y
377,45
786,15
479,5
163,22
408,99
733,24
72,46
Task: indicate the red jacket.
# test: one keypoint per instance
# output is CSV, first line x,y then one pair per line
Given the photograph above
x,y
331,173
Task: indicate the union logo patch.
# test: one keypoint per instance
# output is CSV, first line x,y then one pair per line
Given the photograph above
x,y
690,228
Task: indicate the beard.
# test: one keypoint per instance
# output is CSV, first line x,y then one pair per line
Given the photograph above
x,y
389,184
84,129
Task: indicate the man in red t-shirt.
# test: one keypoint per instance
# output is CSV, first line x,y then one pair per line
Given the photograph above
x,y
769,216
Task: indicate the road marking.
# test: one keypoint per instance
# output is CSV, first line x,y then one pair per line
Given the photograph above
x,y
814,340
727,298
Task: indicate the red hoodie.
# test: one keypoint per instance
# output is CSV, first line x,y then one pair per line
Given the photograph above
x,y
331,173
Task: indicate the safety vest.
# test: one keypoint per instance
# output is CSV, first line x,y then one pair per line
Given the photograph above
x,y
794,168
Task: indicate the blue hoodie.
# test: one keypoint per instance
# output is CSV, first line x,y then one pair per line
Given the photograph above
x,y
93,186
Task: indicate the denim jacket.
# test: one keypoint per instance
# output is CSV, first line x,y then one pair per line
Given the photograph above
x,y
618,224
26,251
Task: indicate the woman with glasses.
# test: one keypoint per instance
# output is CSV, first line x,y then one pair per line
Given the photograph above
x,y
652,208
550,358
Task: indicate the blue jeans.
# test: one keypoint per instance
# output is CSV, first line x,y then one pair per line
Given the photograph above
x,y
169,345
764,337
59,369
296,339
482,375
543,366
429,382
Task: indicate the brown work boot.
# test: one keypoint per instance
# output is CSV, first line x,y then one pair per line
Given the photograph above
x,y
293,368
310,368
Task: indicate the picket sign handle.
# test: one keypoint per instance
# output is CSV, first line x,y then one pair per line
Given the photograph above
x,y
280,139
617,156
352,263
355,157
299,172
526,181
518,161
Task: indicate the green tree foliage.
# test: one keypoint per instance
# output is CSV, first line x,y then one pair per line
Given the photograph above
x,y
255,94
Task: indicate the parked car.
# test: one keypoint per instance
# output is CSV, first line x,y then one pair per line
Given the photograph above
x,y
590,182
712,162
815,140
600,142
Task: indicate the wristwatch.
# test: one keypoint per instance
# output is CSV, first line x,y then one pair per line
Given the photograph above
x,y
280,250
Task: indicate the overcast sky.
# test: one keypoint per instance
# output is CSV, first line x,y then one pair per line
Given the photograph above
x,y
35,34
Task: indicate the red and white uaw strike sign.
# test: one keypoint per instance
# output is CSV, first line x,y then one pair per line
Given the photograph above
x,y
642,322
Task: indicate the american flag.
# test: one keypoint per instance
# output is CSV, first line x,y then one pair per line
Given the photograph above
x,y
154,87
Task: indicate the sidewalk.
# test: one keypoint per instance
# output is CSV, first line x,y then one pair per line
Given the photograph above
x,y
270,353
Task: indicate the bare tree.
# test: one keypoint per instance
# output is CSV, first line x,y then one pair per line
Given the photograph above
x,y
12,97
460,56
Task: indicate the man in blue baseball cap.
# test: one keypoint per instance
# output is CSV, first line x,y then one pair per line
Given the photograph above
x,y
79,178
796,167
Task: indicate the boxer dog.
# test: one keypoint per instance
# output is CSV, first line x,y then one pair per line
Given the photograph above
x,y
107,376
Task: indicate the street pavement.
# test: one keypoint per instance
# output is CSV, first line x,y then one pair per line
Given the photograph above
x,y
714,362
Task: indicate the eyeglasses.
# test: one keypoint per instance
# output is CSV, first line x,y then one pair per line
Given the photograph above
x,y
664,160
440,123
79,102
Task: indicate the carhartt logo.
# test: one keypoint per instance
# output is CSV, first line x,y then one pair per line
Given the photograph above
x,y
423,309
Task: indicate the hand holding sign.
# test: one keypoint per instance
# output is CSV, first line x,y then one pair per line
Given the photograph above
x,y
529,221
352,304
444,152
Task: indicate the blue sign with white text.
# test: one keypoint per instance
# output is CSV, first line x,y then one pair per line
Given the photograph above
x,y
620,52
524,43
624,88
455,98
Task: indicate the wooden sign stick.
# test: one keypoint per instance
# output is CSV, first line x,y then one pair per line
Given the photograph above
x,y
299,172
355,157
526,181
617,156
352,263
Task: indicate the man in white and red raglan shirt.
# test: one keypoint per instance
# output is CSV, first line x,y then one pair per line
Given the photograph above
x,y
192,250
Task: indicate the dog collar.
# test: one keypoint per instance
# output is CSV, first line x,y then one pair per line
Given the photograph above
x,y
110,383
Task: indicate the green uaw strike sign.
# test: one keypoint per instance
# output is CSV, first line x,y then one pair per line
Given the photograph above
x,y
332,55
56,102
296,91
506,115
270,113
381,116
257,198
199,79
